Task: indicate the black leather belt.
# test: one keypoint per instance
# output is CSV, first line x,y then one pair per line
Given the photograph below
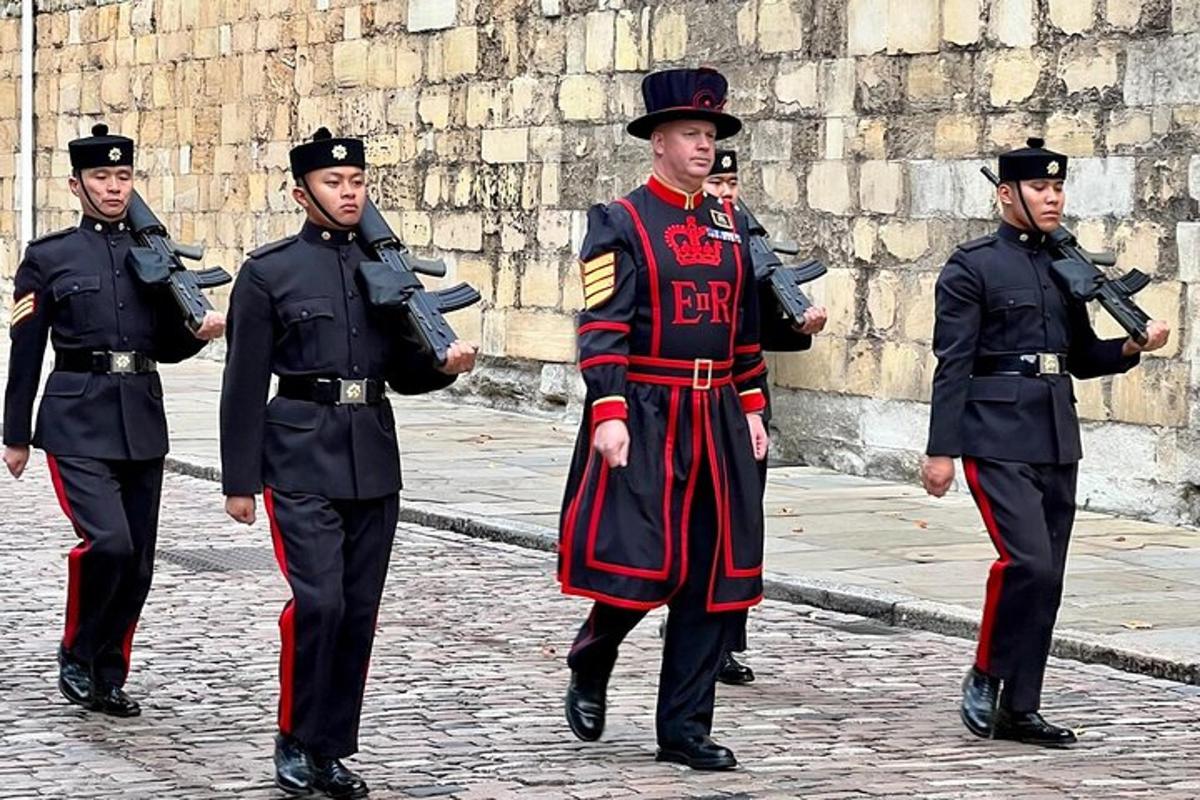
x,y
332,391
116,362
1030,365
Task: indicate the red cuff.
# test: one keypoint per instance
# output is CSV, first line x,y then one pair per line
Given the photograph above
x,y
753,401
607,408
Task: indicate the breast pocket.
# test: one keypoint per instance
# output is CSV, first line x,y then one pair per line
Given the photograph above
x,y
309,333
1016,316
75,299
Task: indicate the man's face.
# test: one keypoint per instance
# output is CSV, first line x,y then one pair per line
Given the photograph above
x,y
723,187
1046,200
686,148
103,192
341,191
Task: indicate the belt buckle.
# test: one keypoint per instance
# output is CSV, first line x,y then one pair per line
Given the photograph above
x,y
1048,364
352,392
702,366
122,362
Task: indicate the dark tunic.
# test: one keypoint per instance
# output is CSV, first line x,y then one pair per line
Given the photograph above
x,y
298,310
73,288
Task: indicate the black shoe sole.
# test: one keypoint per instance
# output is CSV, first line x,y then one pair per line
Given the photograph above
x,y
292,791
1007,737
356,794
118,713
982,733
730,680
579,734
83,702
715,765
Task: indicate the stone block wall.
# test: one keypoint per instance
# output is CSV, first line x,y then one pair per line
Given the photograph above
x,y
494,124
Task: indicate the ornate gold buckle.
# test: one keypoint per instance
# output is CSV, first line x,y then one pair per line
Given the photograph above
x,y
699,365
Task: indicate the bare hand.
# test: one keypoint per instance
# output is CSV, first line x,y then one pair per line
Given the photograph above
x,y
213,327
15,458
937,475
1157,335
612,442
240,508
814,321
760,440
460,358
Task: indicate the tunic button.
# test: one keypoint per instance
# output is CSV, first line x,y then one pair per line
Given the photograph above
x,y
354,331
355,369
1012,302
1024,237
99,227
75,287
325,235
124,340
304,313
117,273
121,304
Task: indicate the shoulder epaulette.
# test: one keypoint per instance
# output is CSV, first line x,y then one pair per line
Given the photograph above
x,y
975,244
272,247
52,235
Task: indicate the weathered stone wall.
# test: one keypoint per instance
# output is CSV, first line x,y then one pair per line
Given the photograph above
x,y
494,124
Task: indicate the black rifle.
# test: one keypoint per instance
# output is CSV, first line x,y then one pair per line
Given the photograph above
x,y
785,282
391,282
1078,273
156,260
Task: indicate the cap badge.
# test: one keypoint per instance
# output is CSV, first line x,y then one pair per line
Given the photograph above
x,y
1053,168
114,155
339,152
727,162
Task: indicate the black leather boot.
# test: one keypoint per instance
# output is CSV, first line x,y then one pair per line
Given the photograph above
x,y
112,700
293,767
700,753
980,695
733,672
1028,727
586,705
75,682
335,779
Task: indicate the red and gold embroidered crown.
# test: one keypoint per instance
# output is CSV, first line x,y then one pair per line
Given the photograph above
x,y
691,245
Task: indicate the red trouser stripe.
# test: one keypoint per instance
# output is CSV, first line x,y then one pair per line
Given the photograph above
x,y
995,584
74,559
287,633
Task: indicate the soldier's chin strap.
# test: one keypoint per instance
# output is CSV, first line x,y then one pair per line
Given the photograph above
x,y
1025,206
95,206
313,198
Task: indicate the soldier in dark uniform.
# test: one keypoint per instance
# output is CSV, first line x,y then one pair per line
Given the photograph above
x,y
777,335
101,418
663,499
1008,341
322,452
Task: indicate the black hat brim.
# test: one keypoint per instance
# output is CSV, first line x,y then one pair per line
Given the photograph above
x,y
727,124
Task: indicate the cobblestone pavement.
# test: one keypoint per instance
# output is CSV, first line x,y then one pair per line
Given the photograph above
x,y
465,693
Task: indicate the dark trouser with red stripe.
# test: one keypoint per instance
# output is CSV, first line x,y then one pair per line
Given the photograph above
x,y
1028,510
114,508
334,554
694,643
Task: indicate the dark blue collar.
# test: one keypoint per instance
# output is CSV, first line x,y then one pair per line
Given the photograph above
x,y
1030,240
97,225
316,234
